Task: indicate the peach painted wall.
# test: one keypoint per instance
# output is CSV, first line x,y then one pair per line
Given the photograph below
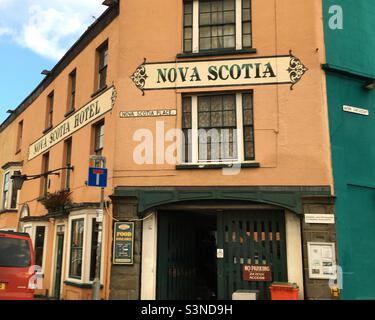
x,y
291,127
34,124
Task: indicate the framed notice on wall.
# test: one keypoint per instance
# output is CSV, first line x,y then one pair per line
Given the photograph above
x,y
322,260
123,243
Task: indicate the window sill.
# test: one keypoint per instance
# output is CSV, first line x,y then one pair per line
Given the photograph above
x,y
70,112
217,166
47,129
18,152
98,92
8,211
216,53
81,285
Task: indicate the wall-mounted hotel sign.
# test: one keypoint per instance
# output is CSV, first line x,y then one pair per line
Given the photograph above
x,y
90,112
148,113
286,69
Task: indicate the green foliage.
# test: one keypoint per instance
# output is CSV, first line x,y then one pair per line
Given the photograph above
x,y
57,201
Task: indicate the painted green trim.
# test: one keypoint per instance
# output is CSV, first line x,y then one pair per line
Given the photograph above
x,y
214,53
348,72
282,196
216,166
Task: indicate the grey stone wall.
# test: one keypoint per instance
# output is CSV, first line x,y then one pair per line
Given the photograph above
x,y
317,289
125,280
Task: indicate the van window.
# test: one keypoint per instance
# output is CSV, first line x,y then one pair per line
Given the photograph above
x,y
14,253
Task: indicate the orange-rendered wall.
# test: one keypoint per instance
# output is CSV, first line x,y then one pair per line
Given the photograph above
x,y
291,127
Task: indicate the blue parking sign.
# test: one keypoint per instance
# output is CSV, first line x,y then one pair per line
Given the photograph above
x,y
98,177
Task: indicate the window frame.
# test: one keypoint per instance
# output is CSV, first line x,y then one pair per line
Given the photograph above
x,y
19,136
43,245
32,226
72,90
194,159
5,193
88,215
6,204
82,247
195,34
44,180
67,162
102,55
93,249
59,224
96,137
49,110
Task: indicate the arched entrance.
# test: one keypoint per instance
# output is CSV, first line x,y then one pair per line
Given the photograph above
x,y
202,252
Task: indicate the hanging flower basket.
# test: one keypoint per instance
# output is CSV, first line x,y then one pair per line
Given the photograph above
x,y
57,201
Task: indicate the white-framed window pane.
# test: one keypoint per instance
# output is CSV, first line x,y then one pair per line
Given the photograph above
x,y
186,129
188,33
229,30
216,138
246,4
205,19
229,41
229,17
246,41
76,248
246,15
188,8
216,6
246,28
188,46
229,5
6,189
205,32
217,120
218,17
204,6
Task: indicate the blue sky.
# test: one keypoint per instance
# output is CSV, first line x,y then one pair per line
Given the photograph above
x,y
34,35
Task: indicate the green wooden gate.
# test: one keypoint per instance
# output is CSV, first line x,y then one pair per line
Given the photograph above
x,y
250,238
176,257
247,237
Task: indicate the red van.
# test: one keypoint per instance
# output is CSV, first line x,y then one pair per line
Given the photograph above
x,y
17,266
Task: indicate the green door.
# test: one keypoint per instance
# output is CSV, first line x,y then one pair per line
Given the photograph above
x,y
59,258
250,238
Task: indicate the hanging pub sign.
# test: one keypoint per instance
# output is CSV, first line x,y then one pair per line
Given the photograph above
x,y
257,273
286,69
123,243
82,117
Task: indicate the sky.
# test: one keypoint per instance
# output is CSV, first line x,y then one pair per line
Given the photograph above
x,y
34,35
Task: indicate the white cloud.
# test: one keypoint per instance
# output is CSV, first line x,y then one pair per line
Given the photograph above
x,y
47,27
5,31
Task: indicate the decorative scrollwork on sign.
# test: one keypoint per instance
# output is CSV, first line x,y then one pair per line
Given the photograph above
x,y
296,70
114,96
139,76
